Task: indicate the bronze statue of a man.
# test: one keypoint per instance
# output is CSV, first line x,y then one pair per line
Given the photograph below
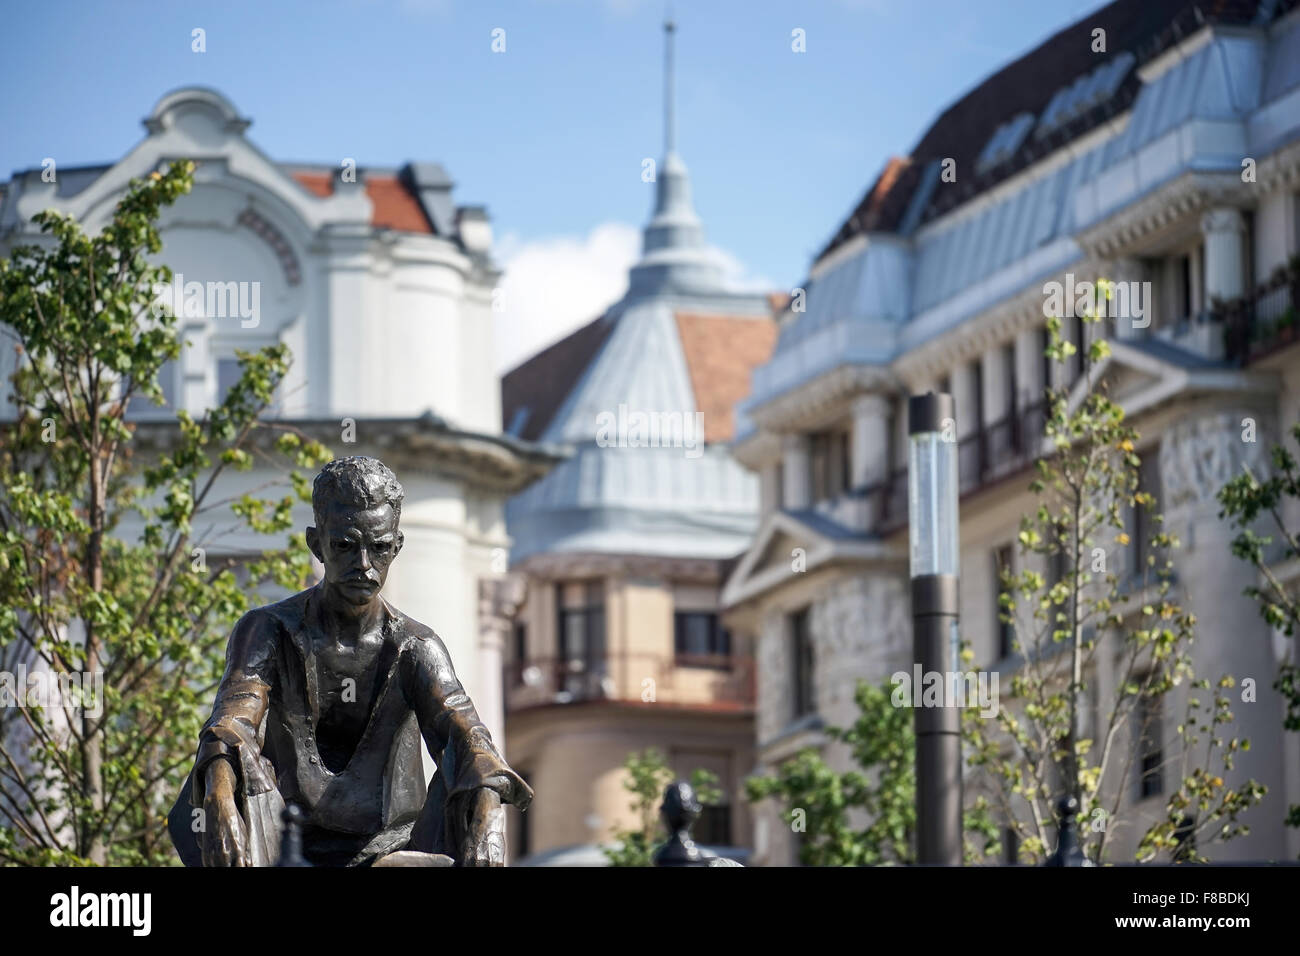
x,y
325,698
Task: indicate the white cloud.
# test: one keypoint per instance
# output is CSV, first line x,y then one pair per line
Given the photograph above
x,y
736,275
556,284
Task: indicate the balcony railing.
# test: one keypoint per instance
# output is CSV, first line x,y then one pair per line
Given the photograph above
x,y
714,681
1263,321
990,453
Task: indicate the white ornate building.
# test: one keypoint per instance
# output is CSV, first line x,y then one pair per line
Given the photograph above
x,y
381,285
1173,157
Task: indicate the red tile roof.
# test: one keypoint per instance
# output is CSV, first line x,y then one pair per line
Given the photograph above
x,y
392,204
721,352
322,184
394,207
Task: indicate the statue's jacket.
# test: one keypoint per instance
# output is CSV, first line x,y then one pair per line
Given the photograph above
x,y
265,718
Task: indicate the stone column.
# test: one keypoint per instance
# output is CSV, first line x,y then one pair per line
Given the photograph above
x,y
1132,294
499,599
996,372
963,393
796,477
1225,236
870,451
769,485
1029,366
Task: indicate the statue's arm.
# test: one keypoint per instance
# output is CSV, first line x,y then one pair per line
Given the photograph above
x,y
231,737
448,719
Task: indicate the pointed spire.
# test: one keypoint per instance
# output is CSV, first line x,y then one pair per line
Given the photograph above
x,y
674,257
670,123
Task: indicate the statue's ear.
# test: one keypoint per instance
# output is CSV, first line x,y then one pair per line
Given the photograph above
x,y
313,543
401,540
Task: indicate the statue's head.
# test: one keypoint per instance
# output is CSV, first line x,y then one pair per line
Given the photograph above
x,y
357,502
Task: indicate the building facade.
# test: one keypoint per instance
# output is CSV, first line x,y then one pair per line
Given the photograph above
x,y
622,549
1167,155
381,285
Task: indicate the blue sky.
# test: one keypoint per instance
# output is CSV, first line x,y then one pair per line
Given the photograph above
x,y
549,134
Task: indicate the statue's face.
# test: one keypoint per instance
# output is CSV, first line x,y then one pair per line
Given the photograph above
x,y
356,545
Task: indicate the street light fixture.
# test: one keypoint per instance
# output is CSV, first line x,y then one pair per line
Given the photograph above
x,y
932,488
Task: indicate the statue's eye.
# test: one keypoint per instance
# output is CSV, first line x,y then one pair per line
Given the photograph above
x,y
343,544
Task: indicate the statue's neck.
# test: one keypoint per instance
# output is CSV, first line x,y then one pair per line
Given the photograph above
x,y
344,621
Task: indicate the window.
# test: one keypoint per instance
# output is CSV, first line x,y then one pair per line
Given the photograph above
x,y
1002,559
580,635
804,697
521,641
1150,747
227,377
713,827
828,454
1009,365
1142,527
166,381
699,640
1185,286
1076,334
977,387
1058,566
819,461
1046,363
846,461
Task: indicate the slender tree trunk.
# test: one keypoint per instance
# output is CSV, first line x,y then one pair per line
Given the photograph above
x,y
1074,783
92,757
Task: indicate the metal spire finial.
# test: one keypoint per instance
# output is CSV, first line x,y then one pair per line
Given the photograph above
x,y
670,132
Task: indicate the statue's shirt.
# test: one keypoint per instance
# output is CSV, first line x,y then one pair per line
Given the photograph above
x,y
267,718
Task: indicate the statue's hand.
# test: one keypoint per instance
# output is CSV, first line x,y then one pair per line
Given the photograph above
x,y
224,843
485,834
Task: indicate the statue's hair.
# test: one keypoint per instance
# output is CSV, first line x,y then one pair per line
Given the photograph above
x,y
356,480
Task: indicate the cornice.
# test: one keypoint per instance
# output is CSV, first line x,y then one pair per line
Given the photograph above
x,y
568,566
922,365
1127,230
425,444
821,399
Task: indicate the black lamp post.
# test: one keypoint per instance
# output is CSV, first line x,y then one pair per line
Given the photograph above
x,y
932,514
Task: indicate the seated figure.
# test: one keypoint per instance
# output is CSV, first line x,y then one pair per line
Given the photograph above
x,y
324,702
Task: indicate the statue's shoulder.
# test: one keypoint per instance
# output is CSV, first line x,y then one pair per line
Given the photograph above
x,y
409,628
268,622
417,640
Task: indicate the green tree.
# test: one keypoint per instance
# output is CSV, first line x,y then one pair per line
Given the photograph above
x,y
88,777
648,774
820,802
1049,738
1247,501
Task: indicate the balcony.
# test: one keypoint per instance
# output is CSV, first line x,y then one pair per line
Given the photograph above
x,y
993,452
1263,321
713,682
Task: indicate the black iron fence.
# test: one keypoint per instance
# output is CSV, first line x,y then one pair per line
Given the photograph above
x,y
991,452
